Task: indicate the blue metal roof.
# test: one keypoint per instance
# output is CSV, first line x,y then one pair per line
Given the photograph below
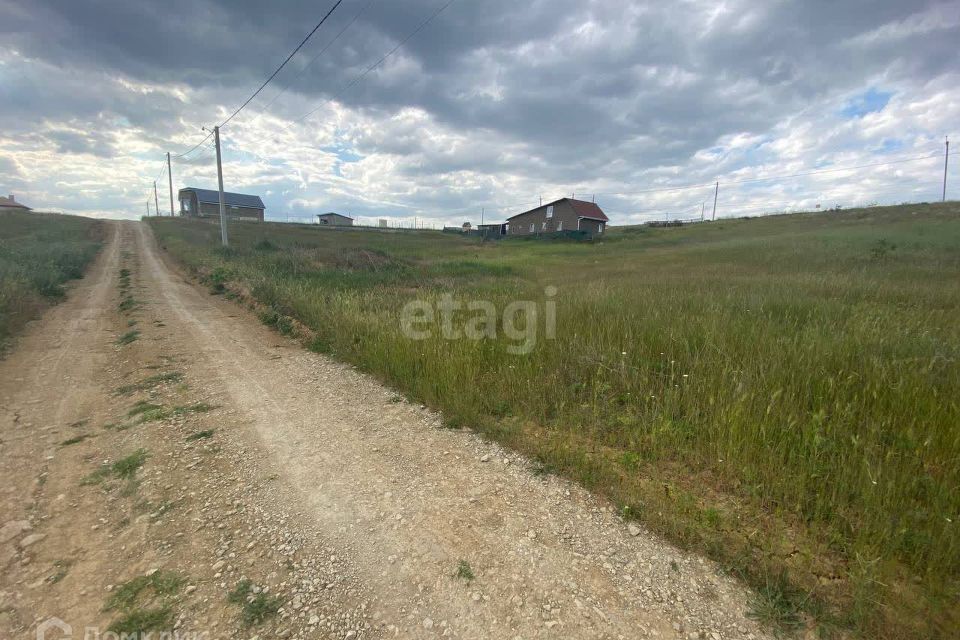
x,y
209,196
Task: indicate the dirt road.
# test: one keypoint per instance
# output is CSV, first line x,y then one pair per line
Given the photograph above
x,y
351,510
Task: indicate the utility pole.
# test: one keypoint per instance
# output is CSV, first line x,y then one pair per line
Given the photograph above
x,y
223,207
946,157
482,209
156,200
702,207
148,208
715,192
170,180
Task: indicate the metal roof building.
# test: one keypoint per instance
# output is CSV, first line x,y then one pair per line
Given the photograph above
x,y
203,203
334,219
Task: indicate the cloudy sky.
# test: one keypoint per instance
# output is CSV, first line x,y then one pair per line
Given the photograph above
x,y
493,104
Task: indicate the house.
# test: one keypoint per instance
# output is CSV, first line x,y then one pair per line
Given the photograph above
x,y
205,203
10,204
334,219
565,214
466,226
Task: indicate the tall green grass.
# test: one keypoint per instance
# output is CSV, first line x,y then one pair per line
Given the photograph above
x,y
38,253
781,393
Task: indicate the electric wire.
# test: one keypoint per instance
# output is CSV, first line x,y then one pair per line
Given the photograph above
x,y
284,63
366,71
319,53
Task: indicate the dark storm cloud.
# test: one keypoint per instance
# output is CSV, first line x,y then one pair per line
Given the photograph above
x,y
67,141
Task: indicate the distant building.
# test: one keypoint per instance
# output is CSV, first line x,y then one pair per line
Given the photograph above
x,y
334,220
565,214
493,229
205,203
10,204
383,223
466,226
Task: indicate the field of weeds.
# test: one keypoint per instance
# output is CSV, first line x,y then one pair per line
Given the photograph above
x,y
39,252
779,393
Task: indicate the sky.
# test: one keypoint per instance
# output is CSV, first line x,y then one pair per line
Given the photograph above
x,y
485,109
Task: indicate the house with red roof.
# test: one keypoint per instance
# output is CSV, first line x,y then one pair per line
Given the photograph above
x,y
10,204
565,214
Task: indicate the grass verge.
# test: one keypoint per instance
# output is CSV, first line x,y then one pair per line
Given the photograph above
x,y
38,253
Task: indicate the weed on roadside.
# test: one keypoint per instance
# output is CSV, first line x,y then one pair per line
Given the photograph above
x,y
149,383
218,281
126,468
777,604
160,584
145,603
96,477
199,407
123,469
541,469
256,605
127,304
74,440
141,407
200,435
464,571
145,411
140,622
128,337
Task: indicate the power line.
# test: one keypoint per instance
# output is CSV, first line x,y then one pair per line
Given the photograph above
x,y
373,66
192,149
765,178
207,137
825,198
319,53
834,170
816,193
284,63
394,50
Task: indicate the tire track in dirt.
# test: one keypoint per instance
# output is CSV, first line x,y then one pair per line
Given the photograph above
x,y
195,509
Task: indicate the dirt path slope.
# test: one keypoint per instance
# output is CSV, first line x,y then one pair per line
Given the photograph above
x,y
359,512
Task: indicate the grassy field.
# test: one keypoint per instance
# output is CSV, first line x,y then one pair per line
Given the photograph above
x,y
780,393
38,253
